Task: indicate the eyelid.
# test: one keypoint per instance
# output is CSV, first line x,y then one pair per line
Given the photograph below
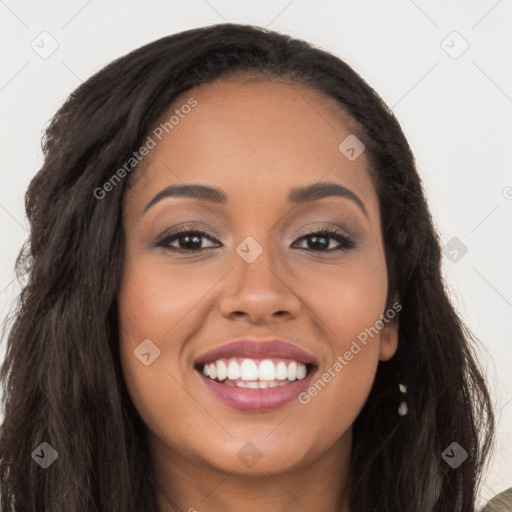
x,y
324,229
186,227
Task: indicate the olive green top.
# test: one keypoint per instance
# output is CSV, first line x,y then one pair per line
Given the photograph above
x,y
500,503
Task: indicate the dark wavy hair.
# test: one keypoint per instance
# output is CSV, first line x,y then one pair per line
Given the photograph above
x,y
62,378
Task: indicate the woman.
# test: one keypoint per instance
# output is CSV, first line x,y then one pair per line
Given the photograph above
x,y
234,298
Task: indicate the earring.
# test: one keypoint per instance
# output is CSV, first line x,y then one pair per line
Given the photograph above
x,y
402,408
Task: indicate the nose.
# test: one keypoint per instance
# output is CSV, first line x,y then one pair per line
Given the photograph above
x,y
259,293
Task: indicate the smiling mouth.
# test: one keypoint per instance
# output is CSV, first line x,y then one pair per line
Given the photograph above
x,y
255,373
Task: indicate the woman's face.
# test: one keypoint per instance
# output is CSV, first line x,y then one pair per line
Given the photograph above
x,y
256,274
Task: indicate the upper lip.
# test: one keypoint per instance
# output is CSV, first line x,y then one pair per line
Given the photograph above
x,y
257,349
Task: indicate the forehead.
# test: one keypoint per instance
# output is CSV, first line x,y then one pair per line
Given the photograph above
x,y
255,138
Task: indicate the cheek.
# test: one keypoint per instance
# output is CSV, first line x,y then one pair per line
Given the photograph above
x,y
347,299
163,303
347,303
149,309
156,296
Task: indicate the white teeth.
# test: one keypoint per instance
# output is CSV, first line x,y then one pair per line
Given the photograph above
x,y
281,371
255,384
292,371
222,371
250,374
301,371
233,370
267,370
248,370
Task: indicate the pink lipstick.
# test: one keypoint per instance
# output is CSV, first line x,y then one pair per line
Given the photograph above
x,y
256,375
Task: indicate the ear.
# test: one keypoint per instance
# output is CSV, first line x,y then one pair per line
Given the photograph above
x,y
389,333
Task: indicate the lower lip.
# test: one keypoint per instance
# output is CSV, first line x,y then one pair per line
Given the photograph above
x,y
257,400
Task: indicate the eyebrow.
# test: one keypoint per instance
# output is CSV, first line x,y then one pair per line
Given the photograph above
x,y
195,191
297,195
321,190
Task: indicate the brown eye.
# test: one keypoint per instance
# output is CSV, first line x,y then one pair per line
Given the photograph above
x,y
187,240
322,240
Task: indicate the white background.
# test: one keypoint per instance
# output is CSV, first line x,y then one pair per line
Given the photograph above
x,y
455,112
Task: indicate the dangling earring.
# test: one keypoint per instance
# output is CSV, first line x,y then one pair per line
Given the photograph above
x,y
402,408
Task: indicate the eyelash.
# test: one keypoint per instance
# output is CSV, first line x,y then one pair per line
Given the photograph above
x,y
345,242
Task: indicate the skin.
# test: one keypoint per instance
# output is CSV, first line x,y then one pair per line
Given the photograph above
x,y
255,140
